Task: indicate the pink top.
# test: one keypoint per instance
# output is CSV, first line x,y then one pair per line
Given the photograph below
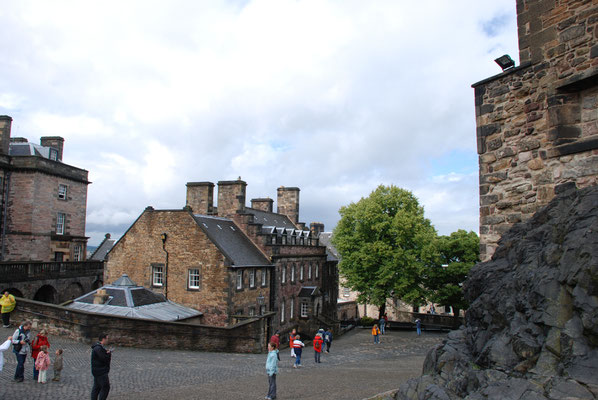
x,y
43,361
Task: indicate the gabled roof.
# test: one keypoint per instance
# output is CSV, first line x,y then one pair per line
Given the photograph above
x,y
308,291
331,251
102,250
232,242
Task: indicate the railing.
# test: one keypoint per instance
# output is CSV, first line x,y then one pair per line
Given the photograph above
x,y
14,271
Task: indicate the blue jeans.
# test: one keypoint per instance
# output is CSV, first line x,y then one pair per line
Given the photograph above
x,y
376,338
271,386
317,356
298,352
20,372
419,330
382,328
35,373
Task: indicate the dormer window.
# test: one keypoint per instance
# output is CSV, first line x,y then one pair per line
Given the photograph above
x,y
53,154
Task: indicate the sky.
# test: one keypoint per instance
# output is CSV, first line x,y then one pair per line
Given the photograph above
x,y
333,97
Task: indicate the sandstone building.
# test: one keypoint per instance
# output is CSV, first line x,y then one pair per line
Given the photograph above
x,y
537,124
44,201
232,261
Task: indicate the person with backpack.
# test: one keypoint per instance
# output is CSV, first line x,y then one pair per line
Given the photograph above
x,y
318,341
21,347
40,340
376,334
328,339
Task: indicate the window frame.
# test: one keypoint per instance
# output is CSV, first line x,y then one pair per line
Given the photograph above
x,y
77,252
157,271
283,274
301,273
317,270
53,154
63,196
252,278
282,307
264,273
239,279
196,276
293,273
60,223
309,271
292,309
304,309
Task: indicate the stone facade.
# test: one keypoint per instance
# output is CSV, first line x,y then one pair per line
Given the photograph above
x,y
537,124
44,201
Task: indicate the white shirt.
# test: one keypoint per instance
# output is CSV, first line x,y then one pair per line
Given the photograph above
x,y
3,347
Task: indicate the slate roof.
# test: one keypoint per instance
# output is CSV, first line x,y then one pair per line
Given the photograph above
x,y
331,251
102,250
129,300
270,219
28,149
232,242
308,291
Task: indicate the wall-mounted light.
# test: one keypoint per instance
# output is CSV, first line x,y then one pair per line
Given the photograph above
x,y
505,62
164,236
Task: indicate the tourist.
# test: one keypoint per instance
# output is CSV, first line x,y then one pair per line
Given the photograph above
x,y
20,346
36,345
42,363
382,324
418,326
328,339
376,334
272,370
276,339
318,346
292,340
57,365
298,346
8,302
100,367
3,347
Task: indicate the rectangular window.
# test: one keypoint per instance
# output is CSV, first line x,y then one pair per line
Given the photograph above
x,y
346,292
193,281
292,312
301,273
252,278
282,311
59,256
157,275
283,274
251,311
309,272
60,219
264,277
240,279
77,252
62,192
53,154
304,310
293,273
317,270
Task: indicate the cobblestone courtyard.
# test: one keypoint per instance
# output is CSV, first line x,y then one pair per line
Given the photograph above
x,y
354,369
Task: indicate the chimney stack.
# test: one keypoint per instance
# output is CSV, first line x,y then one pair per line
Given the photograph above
x,y
5,126
200,197
55,142
262,204
316,228
231,197
288,202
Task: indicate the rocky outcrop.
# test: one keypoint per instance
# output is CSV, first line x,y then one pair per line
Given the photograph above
x,y
531,331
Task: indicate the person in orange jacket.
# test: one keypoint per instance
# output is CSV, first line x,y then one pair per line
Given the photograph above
x,y
318,346
376,334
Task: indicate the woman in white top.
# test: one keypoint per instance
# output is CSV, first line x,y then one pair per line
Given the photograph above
x,y
3,347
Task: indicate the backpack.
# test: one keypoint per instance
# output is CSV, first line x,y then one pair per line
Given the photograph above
x,y
16,347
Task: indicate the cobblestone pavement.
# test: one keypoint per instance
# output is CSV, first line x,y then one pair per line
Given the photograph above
x,y
354,369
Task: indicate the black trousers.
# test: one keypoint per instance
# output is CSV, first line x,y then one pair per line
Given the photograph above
x,y
101,387
6,318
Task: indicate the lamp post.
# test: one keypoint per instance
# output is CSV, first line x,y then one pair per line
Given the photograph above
x,y
260,302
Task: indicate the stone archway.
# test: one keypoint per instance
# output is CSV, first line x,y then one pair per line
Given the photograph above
x,y
72,291
98,283
47,294
14,291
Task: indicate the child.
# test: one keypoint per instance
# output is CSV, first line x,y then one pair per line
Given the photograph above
x,y
272,370
298,347
318,346
42,364
57,365
376,334
292,341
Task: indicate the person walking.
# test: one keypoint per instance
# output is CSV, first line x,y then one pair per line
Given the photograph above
x,y
57,365
100,368
42,363
292,341
40,340
298,346
272,370
8,303
276,339
318,341
418,326
376,334
3,347
328,339
382,325
20,346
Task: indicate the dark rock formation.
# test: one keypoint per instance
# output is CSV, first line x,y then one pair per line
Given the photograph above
x,y
532,328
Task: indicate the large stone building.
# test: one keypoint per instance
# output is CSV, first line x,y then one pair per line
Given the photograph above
x,y
232,261
44,201
537,123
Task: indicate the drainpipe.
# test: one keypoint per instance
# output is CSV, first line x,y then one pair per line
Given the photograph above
x,y
4,214
164,236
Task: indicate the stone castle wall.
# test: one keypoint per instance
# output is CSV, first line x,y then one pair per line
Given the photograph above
x,y
537,124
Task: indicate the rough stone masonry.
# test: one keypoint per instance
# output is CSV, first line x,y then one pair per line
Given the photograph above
x,y
532,329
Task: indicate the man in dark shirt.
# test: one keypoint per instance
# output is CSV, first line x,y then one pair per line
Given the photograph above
x,y
100,367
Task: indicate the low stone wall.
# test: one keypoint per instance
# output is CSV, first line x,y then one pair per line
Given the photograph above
x,y
428,319
245,337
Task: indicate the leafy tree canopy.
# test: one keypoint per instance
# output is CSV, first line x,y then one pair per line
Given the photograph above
x,y
385,244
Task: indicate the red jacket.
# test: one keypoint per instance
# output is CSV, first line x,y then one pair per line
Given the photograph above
x,y
276,340
318,343
37,344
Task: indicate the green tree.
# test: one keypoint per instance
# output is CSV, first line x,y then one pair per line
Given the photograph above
x,y
456,253
385,244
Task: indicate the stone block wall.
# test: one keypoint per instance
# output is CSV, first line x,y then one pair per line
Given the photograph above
x,y
537,124
288,202
200,197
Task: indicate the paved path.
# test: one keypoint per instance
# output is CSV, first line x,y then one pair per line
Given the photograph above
x,y
354,369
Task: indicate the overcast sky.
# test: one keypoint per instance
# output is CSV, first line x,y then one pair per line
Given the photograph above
x,y
334,97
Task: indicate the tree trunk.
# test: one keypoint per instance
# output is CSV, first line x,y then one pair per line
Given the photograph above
x,y
382,310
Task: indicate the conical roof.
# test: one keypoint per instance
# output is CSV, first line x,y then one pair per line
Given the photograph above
x,y
124,280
